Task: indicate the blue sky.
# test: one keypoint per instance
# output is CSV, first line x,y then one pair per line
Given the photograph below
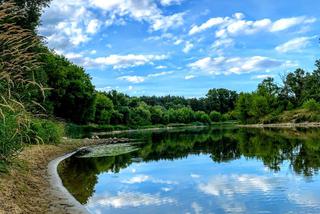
x,y
183,47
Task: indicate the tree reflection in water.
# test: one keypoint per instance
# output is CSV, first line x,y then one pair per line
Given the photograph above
x,y
300,147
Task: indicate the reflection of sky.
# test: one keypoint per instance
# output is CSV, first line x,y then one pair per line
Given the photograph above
x,y
198,185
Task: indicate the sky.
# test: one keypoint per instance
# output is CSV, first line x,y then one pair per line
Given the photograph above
x,y
183,47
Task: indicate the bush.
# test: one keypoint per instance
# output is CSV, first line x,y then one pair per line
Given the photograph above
x,y
13,132
215,116
46,131
311,105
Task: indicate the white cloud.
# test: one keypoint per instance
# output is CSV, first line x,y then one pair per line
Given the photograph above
x,y
123,61
283,24
130,199
189,77
196,207
67,23
237,25
262,76
140,79
143,10
133,79
178,42
165,22
195,176
235,65
187,47
160,74
170,2
209,24
294,45
161,67
93,26
137,179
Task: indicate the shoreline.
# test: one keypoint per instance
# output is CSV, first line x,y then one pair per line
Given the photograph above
x,y
283,125
66,200
32,184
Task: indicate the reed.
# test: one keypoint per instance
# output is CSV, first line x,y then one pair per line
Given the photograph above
x,y
19,60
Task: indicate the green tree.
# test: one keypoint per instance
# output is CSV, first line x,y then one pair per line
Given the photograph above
x,y
72,96
215,116
140,115
33,9
157,114
103,109
221,100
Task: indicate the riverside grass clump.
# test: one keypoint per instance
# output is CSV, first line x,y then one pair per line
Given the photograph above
x,y
18,64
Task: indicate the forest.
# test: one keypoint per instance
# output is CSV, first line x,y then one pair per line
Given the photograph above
x,y
42,91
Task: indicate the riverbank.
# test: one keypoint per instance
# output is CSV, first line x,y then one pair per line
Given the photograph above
x,y
26,188
283,125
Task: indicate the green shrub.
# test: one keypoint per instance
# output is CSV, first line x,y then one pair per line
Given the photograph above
x,y
311,105
13,132
215,116
46,131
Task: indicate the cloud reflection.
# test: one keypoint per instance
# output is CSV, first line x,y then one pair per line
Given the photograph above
x,y
129,199
236,184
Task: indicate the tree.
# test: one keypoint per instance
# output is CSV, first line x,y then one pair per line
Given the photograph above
x,y
140,115
202,117
32,8
157,114
221,100
295,85
243,107
72,96
103,109
215,116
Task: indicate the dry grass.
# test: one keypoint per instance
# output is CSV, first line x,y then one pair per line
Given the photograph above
x,y
26,189
19,60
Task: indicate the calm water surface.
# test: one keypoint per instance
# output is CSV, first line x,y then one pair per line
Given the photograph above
x,y
203,171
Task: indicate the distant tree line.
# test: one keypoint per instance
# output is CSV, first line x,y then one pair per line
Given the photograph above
x,y
72,97
299,93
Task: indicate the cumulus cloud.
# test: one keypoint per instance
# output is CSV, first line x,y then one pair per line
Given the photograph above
x,y
208,24
189,77
137,179
93,26
187,47
123,61
140,79
132,79
170,2
294,45
262,76
68,23
235,65
237,25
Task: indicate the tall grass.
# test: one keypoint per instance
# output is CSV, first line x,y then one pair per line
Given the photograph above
x,y
18,62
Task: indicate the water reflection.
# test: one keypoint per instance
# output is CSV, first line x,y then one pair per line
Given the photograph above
x,y
202,171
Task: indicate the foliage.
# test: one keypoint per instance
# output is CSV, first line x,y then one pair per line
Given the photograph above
x,y
18,64
312,105
46,131
72,96
32,9
215,116
103,109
